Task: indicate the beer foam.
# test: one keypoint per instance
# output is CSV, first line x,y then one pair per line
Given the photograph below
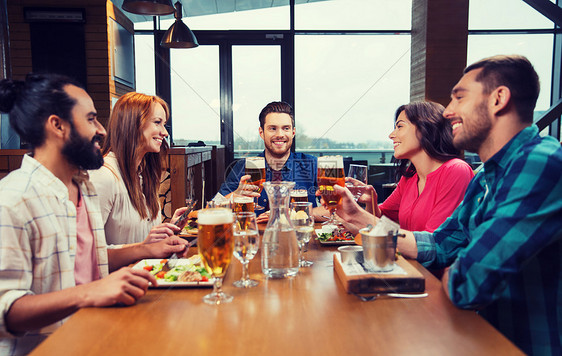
x,y
243,199
255,162
299,193
215,216
330,162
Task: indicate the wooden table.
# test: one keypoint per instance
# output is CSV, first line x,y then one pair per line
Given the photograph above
x,y
310,314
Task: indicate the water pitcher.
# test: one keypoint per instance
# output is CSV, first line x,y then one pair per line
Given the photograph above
x,y
280,250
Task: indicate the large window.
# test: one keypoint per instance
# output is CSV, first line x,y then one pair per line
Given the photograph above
x,y
514,27
347,73
195,95
256,81
537,48
348,88
144,64
358,15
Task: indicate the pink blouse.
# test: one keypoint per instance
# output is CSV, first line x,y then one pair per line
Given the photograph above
x,y
444,190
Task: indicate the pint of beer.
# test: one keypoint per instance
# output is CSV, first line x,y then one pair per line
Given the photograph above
x,y
215,239
330,173
299,195
242,203
255,167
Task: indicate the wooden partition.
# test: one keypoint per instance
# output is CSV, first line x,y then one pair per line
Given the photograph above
x,y
188,176
10,160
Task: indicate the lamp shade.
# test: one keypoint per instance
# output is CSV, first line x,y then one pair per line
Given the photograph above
x,y
179,35
148,7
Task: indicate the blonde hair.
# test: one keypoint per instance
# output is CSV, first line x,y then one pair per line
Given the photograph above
x,y
125,139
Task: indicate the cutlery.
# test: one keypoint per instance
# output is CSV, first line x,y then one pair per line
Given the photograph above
x,y
392,295
171,263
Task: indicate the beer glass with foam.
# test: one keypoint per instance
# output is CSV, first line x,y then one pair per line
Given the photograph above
x,y
299,195
330,173
216,246
255,167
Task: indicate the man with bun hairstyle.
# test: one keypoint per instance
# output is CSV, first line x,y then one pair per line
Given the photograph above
x,y
53,255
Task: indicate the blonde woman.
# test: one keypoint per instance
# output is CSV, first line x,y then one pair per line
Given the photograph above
x,y
128,182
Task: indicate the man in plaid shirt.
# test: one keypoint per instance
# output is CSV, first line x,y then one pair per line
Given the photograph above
x,y
503,244
53,255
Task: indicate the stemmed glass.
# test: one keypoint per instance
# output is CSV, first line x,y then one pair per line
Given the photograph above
x,y
358,172
303,221
255,167
246,245
216,245
330,173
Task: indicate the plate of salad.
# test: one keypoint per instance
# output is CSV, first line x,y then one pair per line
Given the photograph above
x,y
188,272
334,235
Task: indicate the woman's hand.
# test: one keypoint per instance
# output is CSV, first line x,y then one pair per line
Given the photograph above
x,y
161,232
349,211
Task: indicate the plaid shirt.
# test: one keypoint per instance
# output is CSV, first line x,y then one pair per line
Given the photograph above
x,y
504,243
38,242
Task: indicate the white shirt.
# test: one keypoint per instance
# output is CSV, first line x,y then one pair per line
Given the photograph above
x,y
38,242
123,224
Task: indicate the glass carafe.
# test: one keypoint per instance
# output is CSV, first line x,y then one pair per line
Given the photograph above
x,y
280,250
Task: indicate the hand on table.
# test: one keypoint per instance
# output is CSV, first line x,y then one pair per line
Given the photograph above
x,y
124,286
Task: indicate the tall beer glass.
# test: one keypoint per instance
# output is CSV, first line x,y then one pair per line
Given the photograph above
x,y
216,246
255,167
330,173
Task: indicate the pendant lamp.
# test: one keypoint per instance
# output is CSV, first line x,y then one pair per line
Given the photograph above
x,y
179,35
148,7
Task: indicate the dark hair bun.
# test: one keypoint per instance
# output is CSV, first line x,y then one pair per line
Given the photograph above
x,y
9,91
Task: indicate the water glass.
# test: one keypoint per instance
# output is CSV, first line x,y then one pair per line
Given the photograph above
x,y
303,221
246,245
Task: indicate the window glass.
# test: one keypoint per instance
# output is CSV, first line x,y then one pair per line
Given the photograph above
x,y
195,95
348,88
537,48
505,14
144,64
256,81
353,15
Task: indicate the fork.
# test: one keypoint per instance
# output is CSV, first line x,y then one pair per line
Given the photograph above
x,y
392,295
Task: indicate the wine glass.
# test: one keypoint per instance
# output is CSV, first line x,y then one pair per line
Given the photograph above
x,y
255,167
246,245
216,245
303,221
330,173
358,172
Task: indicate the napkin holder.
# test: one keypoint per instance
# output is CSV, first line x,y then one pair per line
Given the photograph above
x,y
407,279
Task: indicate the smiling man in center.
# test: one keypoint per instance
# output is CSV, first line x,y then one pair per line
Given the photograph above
x,y
277,129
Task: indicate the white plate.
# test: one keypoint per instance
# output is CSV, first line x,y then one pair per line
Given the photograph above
x,y
181,261
341,242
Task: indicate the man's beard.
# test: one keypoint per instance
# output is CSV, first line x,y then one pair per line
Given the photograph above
x,y
81,152
476,132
